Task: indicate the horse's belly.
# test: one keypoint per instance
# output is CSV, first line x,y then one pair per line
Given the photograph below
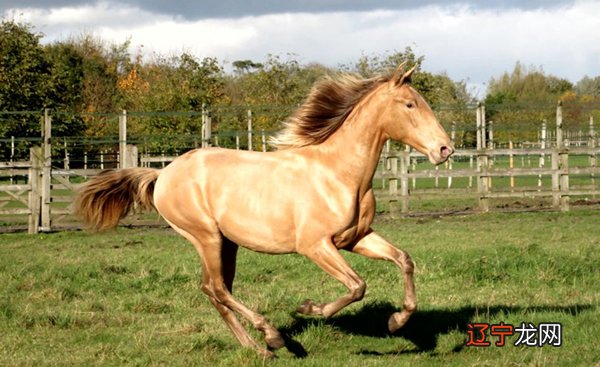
x,y
257,234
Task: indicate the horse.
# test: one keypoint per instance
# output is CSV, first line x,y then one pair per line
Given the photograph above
x,y
312,195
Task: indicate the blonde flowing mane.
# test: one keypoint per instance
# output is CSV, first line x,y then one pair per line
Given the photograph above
x,y
325,109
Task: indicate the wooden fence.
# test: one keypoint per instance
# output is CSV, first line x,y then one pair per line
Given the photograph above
x,y
487,172
399,170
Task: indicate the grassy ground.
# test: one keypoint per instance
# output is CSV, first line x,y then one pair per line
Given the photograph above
x,y
132,297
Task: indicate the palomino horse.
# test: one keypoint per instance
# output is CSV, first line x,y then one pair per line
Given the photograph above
x,y
313,195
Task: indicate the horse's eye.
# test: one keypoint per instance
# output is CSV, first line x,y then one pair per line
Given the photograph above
x,y
410,105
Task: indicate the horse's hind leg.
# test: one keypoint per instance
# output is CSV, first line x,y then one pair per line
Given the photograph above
x,y
229,254
218,256
213,265
374,246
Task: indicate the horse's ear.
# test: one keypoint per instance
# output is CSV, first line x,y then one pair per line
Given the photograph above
x,y
402,76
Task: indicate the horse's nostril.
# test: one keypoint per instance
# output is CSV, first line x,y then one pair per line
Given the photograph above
x,y
445,151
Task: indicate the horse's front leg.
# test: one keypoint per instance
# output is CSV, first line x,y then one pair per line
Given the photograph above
x,y
328,258
376,247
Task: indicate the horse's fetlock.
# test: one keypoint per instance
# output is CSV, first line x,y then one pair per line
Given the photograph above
x,y
410,307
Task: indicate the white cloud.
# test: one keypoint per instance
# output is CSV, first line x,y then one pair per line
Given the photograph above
x,y
466,42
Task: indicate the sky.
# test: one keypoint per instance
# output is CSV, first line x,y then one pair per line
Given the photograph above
x,y
468,40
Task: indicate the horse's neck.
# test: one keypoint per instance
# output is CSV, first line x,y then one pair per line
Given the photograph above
x,y
354,149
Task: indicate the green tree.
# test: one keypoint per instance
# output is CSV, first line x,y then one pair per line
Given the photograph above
x,y
65,88
24,72
526,86
171,84
271,89
101,66
519,101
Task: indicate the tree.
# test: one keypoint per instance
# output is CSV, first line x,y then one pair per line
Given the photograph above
x,y
24,72
370,65
101,66
588,86
245,66
65,88
519,101
526,86
271,89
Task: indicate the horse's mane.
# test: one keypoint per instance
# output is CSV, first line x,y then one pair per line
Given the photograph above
x,y
325,109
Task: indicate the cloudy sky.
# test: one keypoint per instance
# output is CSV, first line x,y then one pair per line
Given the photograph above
x,y
469,40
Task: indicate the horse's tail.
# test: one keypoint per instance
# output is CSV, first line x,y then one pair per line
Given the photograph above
x,y
108,197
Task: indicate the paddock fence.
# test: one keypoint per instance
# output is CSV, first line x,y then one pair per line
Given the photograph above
x,y
37,191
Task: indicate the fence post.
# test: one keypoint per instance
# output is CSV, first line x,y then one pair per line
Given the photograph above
x,y
202,127
559,121
592,144
478,125
563,165
123,140
483,181
35,181
511,165
66,159
46,171
263,140
451,159
555,180
413,167
542,156
490,129
470,170
392,163
482,126
208,127
393,178
404,163
12,154
249,129
385,164
131,156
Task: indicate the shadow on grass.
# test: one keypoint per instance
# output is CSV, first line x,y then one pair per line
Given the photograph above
x,y
422,329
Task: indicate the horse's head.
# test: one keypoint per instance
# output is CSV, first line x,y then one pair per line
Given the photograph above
x,y
410,120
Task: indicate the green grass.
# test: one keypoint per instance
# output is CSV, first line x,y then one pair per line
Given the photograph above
x,y
132,297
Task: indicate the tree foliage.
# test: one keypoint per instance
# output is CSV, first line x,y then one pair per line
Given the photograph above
x,y
519,101
24,73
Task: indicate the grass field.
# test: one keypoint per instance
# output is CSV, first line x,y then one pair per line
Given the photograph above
x,y
132,297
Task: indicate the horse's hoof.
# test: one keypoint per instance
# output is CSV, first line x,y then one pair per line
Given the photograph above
x,y
397,320
309,307
267,354
275,341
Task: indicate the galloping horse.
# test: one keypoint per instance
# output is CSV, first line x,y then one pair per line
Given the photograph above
x,y
312,196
